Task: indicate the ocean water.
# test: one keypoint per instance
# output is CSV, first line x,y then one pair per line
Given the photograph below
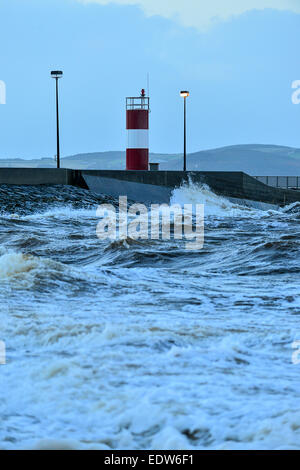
x,y
143,344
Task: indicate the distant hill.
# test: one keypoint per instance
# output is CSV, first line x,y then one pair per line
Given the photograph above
x,y
257,160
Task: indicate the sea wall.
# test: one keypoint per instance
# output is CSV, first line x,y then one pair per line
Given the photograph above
x,y
151,186
138,185
36,176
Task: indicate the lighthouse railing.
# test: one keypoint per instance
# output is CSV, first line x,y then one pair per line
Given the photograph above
x,y
141,102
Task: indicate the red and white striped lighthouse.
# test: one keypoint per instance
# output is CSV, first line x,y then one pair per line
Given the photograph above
x,y
137,124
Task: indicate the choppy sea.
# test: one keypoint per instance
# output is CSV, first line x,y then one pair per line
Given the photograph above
x,y
142,344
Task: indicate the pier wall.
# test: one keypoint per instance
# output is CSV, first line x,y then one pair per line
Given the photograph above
x,y
151,186
36,176
237,185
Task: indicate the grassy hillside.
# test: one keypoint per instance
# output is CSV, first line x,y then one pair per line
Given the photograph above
x,y
252,159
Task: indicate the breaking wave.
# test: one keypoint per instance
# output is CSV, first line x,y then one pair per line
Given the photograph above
x,y
195,193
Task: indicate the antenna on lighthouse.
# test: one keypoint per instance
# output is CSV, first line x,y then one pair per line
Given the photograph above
x,y
148,84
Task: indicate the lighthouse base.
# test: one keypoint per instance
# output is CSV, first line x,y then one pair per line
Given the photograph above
x,y
137,159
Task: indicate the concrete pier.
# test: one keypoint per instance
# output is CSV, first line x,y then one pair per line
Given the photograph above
x,y
152,186
157,186
36,176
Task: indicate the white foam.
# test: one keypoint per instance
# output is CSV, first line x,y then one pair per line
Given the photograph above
x,y
214,205
23,269
14,264
292,208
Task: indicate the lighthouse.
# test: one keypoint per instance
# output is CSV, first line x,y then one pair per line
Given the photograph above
x,y
137,125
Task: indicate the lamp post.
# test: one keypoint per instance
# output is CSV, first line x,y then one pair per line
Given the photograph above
x,y
184,94
57,74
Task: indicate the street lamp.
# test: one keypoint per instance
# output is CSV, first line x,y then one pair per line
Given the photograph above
x,y
184,94
57,74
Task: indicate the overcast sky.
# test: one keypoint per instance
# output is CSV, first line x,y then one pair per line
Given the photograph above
x,y
238,59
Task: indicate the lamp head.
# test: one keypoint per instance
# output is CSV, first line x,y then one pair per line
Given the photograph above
x,y
56,74
184,94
